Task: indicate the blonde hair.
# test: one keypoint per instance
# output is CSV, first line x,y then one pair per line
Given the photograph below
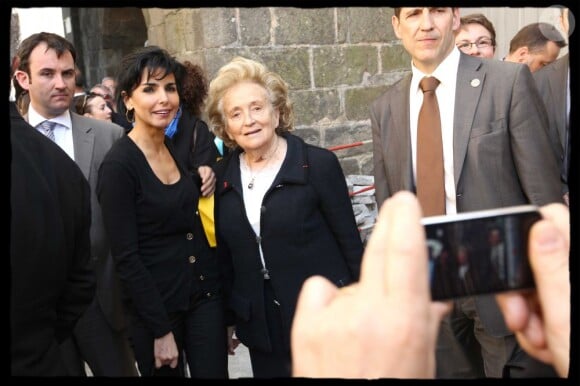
x,y
246,70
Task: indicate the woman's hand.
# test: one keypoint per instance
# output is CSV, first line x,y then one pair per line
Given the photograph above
x,y
232,342
165,351
207,180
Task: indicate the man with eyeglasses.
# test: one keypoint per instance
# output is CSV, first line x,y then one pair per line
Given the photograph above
x,y
476,36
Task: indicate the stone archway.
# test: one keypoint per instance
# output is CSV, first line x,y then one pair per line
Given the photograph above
x,y
102,36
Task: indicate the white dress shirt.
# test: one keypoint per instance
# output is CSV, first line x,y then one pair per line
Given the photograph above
x,y
62,131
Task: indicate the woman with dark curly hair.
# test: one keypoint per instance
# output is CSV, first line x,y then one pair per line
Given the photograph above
x,y
191,138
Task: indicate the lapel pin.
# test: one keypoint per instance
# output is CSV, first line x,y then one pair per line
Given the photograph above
x,y
475,82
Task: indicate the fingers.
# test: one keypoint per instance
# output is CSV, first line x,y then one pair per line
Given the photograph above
x,y
549,257
559,215
208,180
404,252
316,293
374,263
515,310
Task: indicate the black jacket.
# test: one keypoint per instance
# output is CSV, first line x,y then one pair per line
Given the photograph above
x,y
308,228
50,281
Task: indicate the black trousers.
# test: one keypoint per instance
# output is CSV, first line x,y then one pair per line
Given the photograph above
x,y
465,350
275,363
106,351
201,338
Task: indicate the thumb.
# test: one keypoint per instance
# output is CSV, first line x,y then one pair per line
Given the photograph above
x,y
316,293
549,258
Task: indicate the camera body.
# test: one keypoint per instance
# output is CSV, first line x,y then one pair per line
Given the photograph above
x,y
480,252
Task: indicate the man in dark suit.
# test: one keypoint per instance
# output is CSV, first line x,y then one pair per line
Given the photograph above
x,y
51,283
536,45
553,82
47,71
496,153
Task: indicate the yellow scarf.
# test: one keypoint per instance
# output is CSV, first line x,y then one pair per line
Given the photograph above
x,y
205,207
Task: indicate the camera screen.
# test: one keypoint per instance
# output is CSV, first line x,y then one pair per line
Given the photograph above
x,y
479,256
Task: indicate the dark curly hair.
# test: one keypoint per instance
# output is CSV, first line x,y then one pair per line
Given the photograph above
x,y
193,89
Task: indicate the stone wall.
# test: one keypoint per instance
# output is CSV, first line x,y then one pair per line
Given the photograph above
x,y
335,60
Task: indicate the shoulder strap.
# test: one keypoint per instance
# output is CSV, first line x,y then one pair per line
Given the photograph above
x,y
194,133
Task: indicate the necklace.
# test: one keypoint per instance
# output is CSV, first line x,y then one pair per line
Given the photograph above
x,y
268,159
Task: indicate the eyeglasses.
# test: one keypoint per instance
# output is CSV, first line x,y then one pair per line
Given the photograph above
x,y
481,43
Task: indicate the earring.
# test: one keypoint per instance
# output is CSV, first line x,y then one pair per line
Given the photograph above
x,y
132,112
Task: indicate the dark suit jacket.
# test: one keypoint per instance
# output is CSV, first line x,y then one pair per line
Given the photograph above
x,y
307,228
552,82
502,150
92,139
51,282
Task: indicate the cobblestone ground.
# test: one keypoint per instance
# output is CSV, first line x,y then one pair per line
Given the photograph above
x,y
238,365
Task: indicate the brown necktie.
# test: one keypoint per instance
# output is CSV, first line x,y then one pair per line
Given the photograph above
x,y
430,177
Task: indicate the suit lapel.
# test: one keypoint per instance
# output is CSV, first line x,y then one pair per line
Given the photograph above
x,y
400,173
470,82
557,80
83,141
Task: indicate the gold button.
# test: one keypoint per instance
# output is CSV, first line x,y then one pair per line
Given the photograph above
x,y
201,277
189,236
192,259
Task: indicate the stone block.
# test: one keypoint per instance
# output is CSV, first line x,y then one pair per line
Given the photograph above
x,y
389,78
361,179
311,106
341,25
366,163
194,34
394,57
345,134
369,24
304,26
292,64
154,16
349,165
219,26
174,30
357,101
255,25
215,58
309,135
337,65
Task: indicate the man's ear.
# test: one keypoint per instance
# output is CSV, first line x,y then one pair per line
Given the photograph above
x,y
456,19
521,54
395,24
23,79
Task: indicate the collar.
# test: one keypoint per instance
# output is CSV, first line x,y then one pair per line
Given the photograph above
x,y
294,169
445,72
34,118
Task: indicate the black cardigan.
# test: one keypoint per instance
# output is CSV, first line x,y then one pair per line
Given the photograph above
x,y
308,228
